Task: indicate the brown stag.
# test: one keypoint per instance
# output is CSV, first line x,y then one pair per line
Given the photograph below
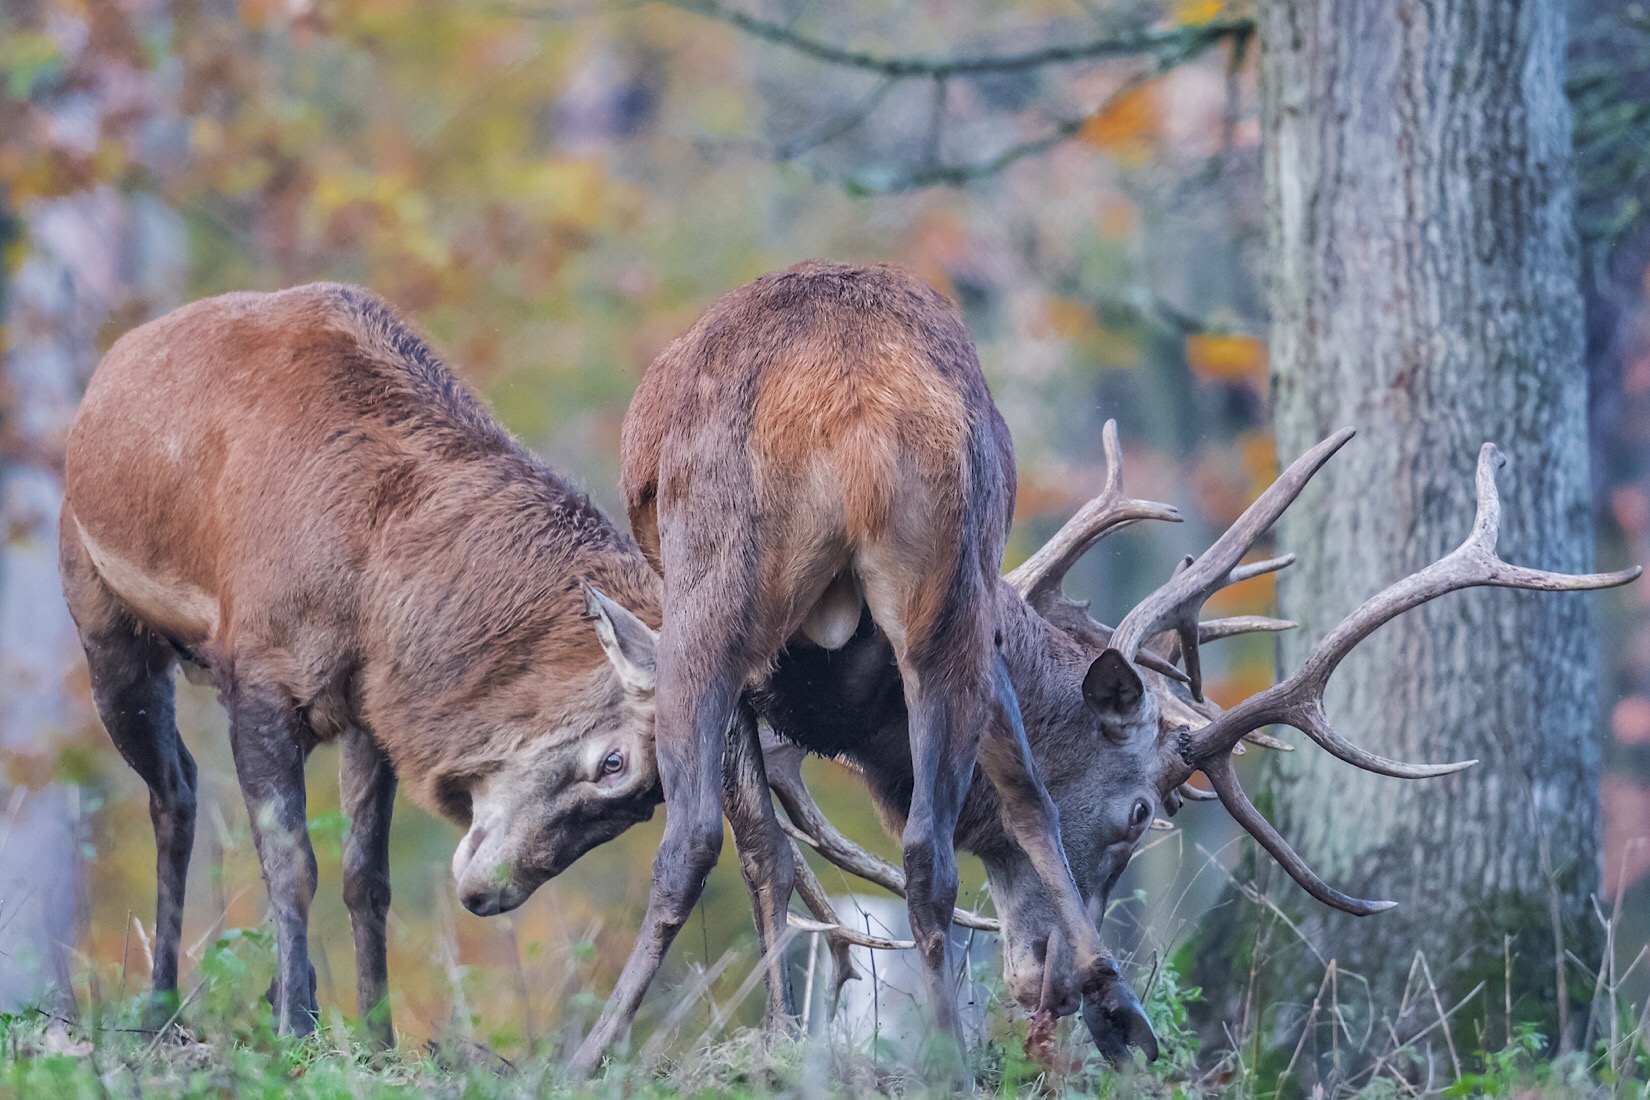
x,y
290,493
820,443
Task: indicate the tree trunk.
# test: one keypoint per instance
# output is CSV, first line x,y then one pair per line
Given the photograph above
x,y
1424,290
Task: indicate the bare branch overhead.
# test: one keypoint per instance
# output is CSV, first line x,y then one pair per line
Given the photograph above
x,y
1126,44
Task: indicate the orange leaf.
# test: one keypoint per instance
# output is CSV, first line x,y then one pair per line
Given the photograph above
x,y
1229,357
1125,128
1259,453
1068,318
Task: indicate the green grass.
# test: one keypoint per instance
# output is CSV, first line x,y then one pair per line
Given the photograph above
x,y
224,1046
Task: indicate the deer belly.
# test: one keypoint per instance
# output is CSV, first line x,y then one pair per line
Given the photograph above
x,y
170,605
835,617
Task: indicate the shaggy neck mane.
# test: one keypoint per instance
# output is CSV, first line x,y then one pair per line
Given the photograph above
x,y
471,540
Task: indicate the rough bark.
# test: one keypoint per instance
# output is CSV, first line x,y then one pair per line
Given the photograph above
x,y
1424,289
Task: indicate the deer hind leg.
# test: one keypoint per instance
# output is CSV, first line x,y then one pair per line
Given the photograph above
x,y
270,746
132,687
765,861
943,659
367,785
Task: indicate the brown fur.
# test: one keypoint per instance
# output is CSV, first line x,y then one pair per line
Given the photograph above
x,y
821,440
292,492
849,404
380,546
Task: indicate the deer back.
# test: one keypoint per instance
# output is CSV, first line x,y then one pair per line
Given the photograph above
x,y
291,487
821,410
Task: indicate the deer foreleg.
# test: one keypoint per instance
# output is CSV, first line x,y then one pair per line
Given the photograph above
x,y
367,786
691,733
1032,819
264,732
943,751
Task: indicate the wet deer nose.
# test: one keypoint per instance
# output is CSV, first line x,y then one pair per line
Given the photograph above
x,y
483,903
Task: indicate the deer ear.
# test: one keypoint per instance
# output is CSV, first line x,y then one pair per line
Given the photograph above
x,y
628,642
1113,688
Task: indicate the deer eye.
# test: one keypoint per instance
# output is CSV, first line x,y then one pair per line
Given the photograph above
x,y
613,763
1140,815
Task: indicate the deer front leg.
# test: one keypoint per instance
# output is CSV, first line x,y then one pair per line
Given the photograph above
x,y
367,786
765,861
694,706
268,740
1034,823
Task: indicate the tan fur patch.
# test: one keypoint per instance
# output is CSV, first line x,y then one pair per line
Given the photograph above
x,y
169,603
868,422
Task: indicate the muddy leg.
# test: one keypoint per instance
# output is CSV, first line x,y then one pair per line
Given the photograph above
x,y
132,686
700,676
367,783
268,740
944,740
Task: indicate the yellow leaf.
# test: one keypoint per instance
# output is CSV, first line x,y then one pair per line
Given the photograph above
x,y
1226,357
1188,12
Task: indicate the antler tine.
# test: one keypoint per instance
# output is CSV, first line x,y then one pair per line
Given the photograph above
x,y
1176,604
1258,568
1298,701
1038,578
838,938
826,920
1223,776
1196,794
809,824
1213,630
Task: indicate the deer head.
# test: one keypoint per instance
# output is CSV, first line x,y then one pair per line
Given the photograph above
x,y
537,807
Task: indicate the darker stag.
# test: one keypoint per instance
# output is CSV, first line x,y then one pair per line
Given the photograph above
x,y
1115,725
822,442
289,492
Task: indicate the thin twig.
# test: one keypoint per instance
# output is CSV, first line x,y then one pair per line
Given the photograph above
x,y
177,1013
698,988
842,124
125,950
1249,891
1127,44
720,1013
1438,1006
1062,130
1306,1028
1555,905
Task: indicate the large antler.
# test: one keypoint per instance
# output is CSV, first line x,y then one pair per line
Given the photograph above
x,y
1038,578
1298,700
1175,606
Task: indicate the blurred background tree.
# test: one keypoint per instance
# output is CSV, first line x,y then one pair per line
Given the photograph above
x,y
553,190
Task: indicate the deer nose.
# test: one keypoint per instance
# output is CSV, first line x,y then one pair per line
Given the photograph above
x,y
483,903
